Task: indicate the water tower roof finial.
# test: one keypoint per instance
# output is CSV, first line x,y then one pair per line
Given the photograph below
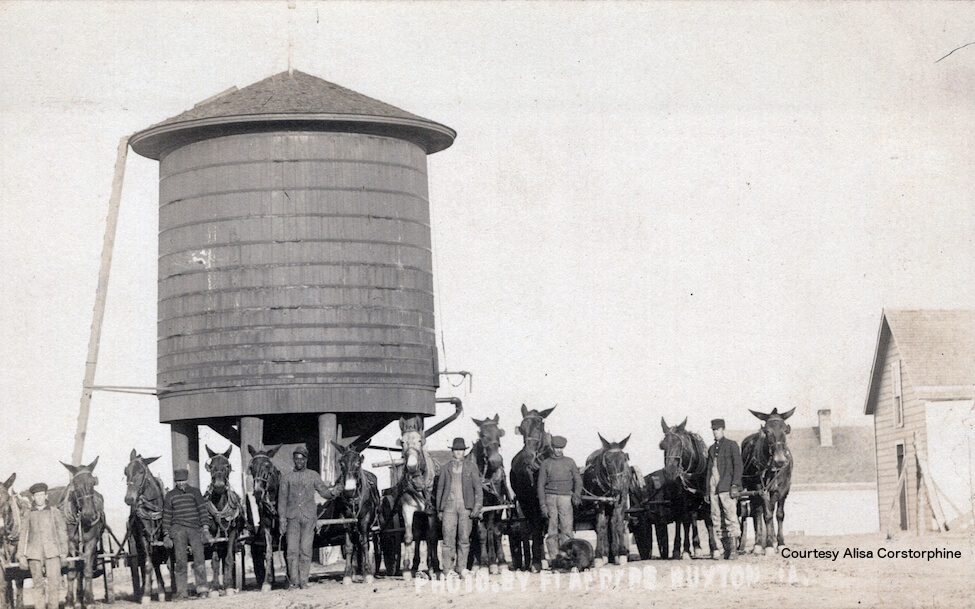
x,y
290,101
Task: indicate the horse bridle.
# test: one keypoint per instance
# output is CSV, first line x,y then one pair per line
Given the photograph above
x,y
263,478
535,442
686,444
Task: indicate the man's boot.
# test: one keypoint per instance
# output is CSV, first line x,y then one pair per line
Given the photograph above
x,y
726,544
733,555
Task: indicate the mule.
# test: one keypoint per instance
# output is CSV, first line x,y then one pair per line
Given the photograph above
x,y
84,512
489,549
10,515
226,521
685,466
413,484
358,500
267,481
144,494
657,501
767,471
608,475
528,539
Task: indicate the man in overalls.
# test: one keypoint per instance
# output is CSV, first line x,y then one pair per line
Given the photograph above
x,y
460,499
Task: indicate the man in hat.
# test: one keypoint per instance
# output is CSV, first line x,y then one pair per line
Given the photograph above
x,y
298,514
44,543
183,523
460,498
724,485
559,488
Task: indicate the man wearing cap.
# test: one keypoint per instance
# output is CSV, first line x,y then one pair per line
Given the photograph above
x,y
559,488
460,498
724,485
299,514
44,543
184,519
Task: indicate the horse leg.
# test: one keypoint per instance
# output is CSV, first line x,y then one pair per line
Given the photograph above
x,y
230,565
157,567
602,538
621,549
349,558
409,521
709,525
89,588
663,540
368,564
780,519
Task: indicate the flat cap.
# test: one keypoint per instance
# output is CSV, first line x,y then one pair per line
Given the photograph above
x,y
559,442
717,423
301,450
40,487
181,475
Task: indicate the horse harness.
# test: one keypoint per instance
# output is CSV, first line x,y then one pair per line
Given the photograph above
x,y
604,479
267,505
764,464
146,509
684,474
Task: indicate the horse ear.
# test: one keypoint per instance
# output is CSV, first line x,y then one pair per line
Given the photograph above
x,y
149,460
250,450
399,441
518,430
497,417
625,440
682,425
91,467
273,451
342,450
364,445
606,445
546,412
663,425
208,466
500,432
229,450
787,414
210,452
10,480
759,415
402,424
478,422
524,411
133,455
788,428
70,468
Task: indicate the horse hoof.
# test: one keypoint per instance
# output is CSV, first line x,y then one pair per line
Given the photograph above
x,y
368,579
346,581
758,550
231,591
598,563
407,576
266,588
622,560
715,555
503,568
144,600
545,565
770,551
214,594
685,556
493,569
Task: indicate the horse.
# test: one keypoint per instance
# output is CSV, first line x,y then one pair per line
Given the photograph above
x,y
767,471
267,480
490,465
144,494
225,523
608,475
524,476
359,500
413,484
84,512
685,465
657,502
10,514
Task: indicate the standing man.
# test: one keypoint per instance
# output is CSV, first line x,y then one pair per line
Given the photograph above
x,y
183,523
724,485
559,488
299,514
44,543
460,498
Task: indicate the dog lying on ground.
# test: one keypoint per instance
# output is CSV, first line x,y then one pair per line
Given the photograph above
x,y
574,554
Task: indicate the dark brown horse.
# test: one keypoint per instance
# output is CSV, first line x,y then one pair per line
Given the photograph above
x,y
490,465
267,481
413,483
360,501
527,543
685,466
657,501
84,511
144,494
226,521
608,476
10,514
767,470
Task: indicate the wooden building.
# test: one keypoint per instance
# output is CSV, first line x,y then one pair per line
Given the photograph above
x,y
921,394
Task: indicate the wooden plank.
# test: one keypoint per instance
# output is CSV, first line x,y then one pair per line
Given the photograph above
x,y
932,493
101,293
901,481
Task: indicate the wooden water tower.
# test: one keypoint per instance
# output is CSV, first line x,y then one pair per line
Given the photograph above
x,y
295,269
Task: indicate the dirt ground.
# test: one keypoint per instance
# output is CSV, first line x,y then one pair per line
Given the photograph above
x,y
753,581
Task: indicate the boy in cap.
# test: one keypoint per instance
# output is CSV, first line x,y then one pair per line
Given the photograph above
x,y
559,488
44,543
460,498
184,519
299,514
724,485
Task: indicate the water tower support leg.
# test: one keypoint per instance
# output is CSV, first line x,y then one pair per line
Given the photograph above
x,y
186,449
327,432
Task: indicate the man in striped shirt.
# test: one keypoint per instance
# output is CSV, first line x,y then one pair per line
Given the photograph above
x,y
184,518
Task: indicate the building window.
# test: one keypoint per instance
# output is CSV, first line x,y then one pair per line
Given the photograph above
x,y
898,399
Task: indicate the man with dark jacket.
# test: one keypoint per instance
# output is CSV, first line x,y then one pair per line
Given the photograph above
x,y
460,498
44,544
724,485
184,519
299,514
559,488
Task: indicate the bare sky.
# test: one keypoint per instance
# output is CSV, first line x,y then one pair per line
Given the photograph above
x,y
650,209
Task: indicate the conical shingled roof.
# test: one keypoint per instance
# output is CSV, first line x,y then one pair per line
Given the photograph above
x,y
290,101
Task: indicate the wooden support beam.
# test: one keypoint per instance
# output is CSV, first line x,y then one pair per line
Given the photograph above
x,y
901,481
186,449
328,432
225,428
932,493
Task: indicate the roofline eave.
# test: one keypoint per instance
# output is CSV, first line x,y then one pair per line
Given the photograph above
x,y
867,410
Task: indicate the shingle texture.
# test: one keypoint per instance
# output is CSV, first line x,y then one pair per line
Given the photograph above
x,y
938,347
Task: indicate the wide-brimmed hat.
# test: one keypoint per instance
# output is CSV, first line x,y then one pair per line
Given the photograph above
x,y
559,442
301,450
717,423
458,444
181,475
40,487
